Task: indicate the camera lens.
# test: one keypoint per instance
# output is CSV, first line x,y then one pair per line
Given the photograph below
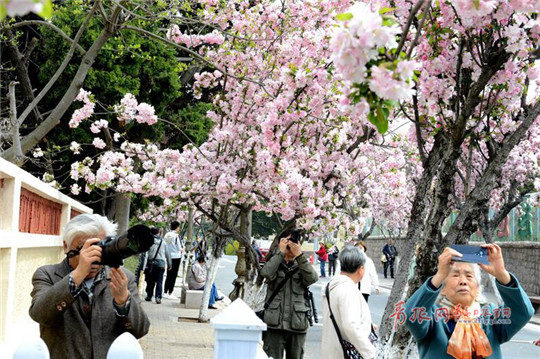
x,y
137,239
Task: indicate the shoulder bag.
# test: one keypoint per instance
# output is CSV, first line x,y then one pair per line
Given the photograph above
x,y
349,351
151,263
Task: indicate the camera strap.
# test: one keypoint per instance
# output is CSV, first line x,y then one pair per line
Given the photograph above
x,y
157,251
279,286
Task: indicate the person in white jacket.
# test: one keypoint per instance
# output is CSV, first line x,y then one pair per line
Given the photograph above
x,y
349,308
370,279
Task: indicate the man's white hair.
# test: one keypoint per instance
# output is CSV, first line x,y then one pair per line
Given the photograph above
x,y
88,225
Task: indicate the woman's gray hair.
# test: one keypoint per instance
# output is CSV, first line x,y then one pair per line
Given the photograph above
x,y
351,258
88,225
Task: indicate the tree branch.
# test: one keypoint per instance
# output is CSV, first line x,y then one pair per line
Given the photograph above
x,y
15,124
54,118
53,27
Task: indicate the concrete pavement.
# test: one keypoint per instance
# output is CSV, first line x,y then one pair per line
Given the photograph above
x,y
175,331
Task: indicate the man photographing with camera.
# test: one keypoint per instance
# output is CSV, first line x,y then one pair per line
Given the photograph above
x,y
288,274
81,305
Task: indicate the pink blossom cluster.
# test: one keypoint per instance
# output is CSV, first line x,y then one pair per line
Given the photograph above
x,y
175,34
205,80
98,125
84,112
355,46
22,7
129,109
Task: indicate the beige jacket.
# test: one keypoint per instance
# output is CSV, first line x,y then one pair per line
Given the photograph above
x,y
352,316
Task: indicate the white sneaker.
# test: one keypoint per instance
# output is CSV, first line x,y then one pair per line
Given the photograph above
x,y
166,296
173,297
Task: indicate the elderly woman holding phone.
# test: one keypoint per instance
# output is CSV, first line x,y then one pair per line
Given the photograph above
x,y
446,315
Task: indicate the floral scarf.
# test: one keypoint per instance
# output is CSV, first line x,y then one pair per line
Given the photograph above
x,y
468,339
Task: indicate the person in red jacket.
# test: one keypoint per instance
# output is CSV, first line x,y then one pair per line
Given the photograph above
x,y
323,258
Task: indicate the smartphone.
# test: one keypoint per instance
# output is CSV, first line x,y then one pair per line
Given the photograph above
x,y
471,254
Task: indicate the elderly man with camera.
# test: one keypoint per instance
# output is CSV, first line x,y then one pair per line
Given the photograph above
x,y
81,305
288,274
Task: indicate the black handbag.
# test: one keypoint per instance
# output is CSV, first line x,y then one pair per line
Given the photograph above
x,y
260,313
349,350
151,265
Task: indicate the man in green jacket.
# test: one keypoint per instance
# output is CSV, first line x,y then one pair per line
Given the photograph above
x,y
286,315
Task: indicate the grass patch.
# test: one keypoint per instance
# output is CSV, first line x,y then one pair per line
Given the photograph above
x,y
132,263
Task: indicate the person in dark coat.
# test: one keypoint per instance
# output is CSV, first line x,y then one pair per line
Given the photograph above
x,y
286,316
390,252
81,306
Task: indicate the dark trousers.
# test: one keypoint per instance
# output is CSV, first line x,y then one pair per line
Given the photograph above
x,y
171,275
276,341
366,296
389,263
154,279
331,267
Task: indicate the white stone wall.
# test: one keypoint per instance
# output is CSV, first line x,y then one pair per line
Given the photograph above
x,y
22,253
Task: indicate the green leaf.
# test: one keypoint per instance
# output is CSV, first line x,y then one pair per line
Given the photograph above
x,y
388,21
344,16
390,103
476,4
47,11
379,120
384,10
2,12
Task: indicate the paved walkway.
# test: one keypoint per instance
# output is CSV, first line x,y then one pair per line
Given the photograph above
x,y
175,331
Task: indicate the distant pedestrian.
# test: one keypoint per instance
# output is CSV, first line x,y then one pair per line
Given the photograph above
x,y
158,259
370,278
197,280
332,259
257,249
390,252
173,241
323,258
288,274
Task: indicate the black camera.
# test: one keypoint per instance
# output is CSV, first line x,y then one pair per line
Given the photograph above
x,y
115,249
295,237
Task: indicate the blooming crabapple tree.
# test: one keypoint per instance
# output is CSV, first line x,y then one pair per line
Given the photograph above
x,y
282,143
286,140
474,111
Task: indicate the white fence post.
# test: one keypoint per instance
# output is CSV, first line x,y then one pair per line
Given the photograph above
x,y
238,332
125,347
32,349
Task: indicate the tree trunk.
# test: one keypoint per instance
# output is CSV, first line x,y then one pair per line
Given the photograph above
x,y
188,258
415,230
210,277
122,205
18,158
